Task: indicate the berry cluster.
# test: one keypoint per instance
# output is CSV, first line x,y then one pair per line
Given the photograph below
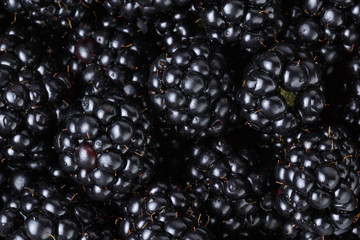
x,y
179,119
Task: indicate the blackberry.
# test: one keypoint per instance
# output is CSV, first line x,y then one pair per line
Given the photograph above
x,y
191,89
105,144
252,24
282,90
319,180
53,14
33,95
164,211
240,194
330,28
108,49
47,209
181,24
170,21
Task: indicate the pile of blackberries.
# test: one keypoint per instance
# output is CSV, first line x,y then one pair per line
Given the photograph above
x,y
179,119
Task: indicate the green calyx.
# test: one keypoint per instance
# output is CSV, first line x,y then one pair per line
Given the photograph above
x,y
289,97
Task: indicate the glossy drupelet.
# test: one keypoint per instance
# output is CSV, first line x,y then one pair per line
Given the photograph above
x,y
282,90
240,189
164,211
319,179
252,24
192,91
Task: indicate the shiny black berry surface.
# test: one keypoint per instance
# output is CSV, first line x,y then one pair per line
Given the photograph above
x,y
251,24
282,90
240,195
191,89
319,181
179,119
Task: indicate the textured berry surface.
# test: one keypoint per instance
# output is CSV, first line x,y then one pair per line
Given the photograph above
x,y
252,24
192,90
179,119
33,96
240,196
320,182
105,144
282,90
165,211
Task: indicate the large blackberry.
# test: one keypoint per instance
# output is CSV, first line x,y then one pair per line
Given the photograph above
x,y
108,49
282,90
33,96
319,178
241,194
191,89
330,28
105,143
164,211
48,209
254,24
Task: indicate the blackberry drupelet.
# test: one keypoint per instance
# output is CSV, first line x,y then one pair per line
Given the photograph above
x,y
33,96
241,190
164,211
252,24
319,178
282,90
105,144
192,91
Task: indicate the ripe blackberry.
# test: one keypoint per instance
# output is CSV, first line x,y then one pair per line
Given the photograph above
x,y
33,96
170,21
47,209
319,177
330,28
164,211
181,24
54,14
105,145
108,49
252,24
282,90
191,89
240,194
